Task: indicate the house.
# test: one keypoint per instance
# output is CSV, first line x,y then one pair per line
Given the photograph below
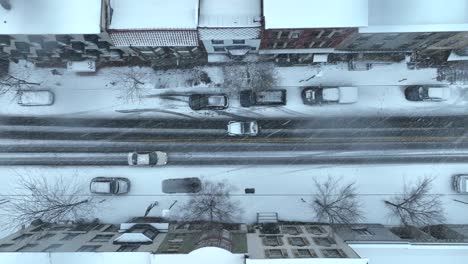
x,y
295,30
54,31
230,27
154,240
407,25
164,32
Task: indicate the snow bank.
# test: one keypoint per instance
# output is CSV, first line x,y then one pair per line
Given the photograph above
x,y
154,14
51,17
315,14
417,16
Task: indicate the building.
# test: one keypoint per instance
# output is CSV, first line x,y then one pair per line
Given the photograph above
x,y
164,32
407,25
154,240
295,30
230,27
55,31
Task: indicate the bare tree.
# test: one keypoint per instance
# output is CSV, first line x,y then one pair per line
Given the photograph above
x,y
50,201
132,82
13,81
261,76
335,203
416,206
254,76
213,204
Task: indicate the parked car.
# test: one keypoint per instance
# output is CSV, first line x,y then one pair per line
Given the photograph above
x,y
154,158
427,93
184,185
329,95
242,128
208,101
35,97
357,65
460,183
270,97
109,185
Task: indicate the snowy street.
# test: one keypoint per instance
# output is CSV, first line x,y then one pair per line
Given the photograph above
x,y
165,93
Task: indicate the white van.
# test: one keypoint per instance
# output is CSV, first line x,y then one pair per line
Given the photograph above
x,y
35,97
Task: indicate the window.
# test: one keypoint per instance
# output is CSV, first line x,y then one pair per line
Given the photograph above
x,y
46,236
291,230
128,248
22,237
238,41
217,42
304,253
324,241
218,48
101,238
284,34
88,248
333,253
295,34
272,241
26,248
253,48
70,236
52,247
362,232
276,253
316,230
298,241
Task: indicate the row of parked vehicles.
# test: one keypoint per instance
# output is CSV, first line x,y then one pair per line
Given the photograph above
x,y
120,185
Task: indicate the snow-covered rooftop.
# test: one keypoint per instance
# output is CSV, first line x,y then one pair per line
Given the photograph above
x,y
230,13
315,13
417,16
51,17
154,14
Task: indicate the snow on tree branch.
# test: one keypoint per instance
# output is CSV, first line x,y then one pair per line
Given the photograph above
x,y
52,201
336,204
416,206
213,203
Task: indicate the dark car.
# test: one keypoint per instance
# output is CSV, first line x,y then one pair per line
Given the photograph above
x,y
208,101
183,185
270,97
427,93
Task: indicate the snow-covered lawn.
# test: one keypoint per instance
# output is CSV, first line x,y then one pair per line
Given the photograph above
x,y
163,94
277,188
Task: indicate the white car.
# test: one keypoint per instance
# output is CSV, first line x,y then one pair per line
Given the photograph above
x,y
35,97
109,185
247,128
460,183
330,95
154,158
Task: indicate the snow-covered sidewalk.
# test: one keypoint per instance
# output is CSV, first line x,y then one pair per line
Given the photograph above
x,y
277,188
163,94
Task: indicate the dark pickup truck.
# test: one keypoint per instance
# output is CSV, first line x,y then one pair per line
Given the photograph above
x,y
270,97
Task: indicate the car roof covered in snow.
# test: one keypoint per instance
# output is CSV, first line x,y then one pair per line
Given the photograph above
x,y
101,187
315,14
416,16
154,14
220,13
51,17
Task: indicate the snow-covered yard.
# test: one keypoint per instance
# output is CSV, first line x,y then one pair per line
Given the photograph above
x,y
143,92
